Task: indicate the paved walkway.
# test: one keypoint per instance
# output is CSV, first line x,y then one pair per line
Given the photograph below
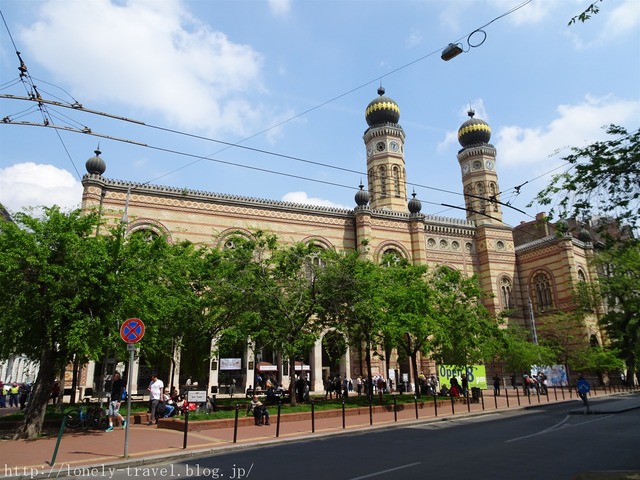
x,y
149,444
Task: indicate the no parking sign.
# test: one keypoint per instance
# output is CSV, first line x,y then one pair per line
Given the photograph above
x,y
132,330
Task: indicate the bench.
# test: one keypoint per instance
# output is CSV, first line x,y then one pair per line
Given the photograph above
x,y
276,395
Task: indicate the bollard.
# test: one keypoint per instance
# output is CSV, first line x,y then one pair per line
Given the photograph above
x,y
468,404
186,426
482,399
518,395
435,403
562,391
415,401
395,408
495,400
278,419
453,409
538,393
506,394
555,393
371,408
313,416
344,425
55,450
235,425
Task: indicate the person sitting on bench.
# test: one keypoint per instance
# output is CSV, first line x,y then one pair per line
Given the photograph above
x,y
259,411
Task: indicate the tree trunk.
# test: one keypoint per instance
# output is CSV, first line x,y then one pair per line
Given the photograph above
x,y
36,408
292,381
414,376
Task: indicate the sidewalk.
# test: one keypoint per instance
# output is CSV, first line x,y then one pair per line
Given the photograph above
x,y
149,444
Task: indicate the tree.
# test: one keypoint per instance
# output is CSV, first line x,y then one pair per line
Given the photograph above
x,y
519,354
604,180
50,272
466,328
352,300
284,297
411,311
620,286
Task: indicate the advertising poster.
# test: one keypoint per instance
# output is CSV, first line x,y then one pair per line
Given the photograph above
x,y
475,373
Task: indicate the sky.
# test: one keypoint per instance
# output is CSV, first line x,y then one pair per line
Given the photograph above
x,y
216,96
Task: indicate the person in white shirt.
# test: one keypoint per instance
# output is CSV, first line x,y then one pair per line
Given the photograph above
x,y
156,388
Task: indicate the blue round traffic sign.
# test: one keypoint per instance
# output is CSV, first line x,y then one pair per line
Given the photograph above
x,y
583,386
132,330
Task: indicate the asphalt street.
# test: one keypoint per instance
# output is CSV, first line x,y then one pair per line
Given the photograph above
x,y
554,441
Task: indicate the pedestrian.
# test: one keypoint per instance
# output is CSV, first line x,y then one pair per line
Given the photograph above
x,y
514,382
55,392
117,393
465,385
496,385
13,395
3,395
24,390
232,387
156,387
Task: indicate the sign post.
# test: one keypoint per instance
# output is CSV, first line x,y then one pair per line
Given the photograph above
x,y
131,331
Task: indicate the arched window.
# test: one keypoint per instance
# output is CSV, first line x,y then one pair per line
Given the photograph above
x,y
480,193
493,196
505,293
391,257
468,199
396,181
313,262
582,278
383,181
542,288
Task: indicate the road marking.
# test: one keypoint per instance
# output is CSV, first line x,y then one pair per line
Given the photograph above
x,y
383,472
557,426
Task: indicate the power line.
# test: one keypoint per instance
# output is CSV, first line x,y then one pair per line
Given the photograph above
x,y
34,95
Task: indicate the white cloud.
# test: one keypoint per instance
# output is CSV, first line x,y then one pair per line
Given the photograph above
x,y
303,198
623,19
153,56
33,185
280,7
574,126
414,39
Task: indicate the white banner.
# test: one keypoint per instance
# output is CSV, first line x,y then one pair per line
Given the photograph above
x,y
230,363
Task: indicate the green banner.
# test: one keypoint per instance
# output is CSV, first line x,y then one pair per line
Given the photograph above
x,y
475,373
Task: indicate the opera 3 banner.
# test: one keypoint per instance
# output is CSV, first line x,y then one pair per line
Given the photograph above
x,y
475,373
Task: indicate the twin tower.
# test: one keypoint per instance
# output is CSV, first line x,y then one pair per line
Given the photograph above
x,y
386,173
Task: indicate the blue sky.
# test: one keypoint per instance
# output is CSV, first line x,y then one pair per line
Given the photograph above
x,y
293,77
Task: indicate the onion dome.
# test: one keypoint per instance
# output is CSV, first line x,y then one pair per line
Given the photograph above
x,y
382,110
584,235
415,205
474,131
95,165
362,196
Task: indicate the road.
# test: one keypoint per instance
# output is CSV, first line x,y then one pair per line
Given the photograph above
x,y
543,442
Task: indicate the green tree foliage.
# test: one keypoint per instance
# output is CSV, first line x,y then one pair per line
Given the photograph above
x,y
466,328
592,9
352,301
51,273
519,354
604,180
620,286
285,298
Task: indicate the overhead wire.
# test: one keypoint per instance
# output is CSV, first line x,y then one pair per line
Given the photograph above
x,y
76,105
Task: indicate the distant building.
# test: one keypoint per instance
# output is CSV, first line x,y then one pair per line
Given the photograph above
x,y
528,270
